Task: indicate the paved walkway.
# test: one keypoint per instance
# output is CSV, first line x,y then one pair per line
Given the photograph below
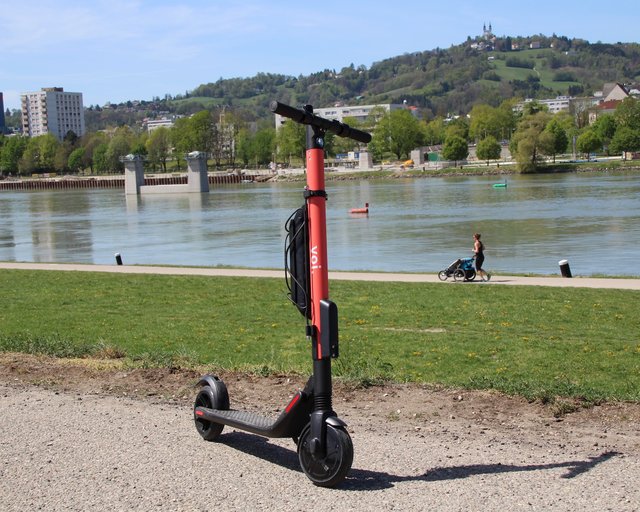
x,y
576,282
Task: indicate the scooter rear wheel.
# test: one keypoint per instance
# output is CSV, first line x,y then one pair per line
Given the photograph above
x,y
330,469
209,398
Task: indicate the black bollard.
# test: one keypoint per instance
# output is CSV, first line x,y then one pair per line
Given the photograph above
x,y
564,268
118,258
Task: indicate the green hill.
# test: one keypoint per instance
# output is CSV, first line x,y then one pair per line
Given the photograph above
x,y
438,82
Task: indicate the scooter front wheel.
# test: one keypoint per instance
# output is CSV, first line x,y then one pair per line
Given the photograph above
x,y
328,470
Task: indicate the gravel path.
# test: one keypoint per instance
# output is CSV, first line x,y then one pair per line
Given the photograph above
x,y
77,451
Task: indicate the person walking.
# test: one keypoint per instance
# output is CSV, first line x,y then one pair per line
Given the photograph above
x,y
478,251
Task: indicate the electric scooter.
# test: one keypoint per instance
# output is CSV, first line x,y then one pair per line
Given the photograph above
x,y
325,450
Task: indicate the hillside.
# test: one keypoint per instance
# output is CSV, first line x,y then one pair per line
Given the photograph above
x,y
438,82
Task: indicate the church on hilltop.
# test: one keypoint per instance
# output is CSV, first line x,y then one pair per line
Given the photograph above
x,y
487,34
484,42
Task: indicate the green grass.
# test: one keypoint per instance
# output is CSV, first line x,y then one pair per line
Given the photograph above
x,y
538,342
541,71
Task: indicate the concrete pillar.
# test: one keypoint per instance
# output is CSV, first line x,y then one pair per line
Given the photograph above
x,y
417,156
365,161
133,174
197,172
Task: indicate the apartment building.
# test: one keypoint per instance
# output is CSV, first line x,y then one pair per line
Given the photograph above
x,y
555,105
51,110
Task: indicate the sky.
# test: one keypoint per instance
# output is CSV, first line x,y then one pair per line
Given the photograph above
x,y
120,50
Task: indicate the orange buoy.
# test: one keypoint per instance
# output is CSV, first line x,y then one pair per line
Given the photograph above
x,y
360,210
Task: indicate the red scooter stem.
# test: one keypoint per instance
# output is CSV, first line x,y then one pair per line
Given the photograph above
x,y
317,213
323,312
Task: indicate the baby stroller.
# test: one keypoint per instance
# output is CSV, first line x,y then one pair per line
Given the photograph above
x,y
461,270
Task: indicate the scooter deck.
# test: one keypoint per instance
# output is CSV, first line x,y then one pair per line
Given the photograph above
x,y
240,419
288,424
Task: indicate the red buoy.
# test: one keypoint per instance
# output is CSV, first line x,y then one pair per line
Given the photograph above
x,y
360,210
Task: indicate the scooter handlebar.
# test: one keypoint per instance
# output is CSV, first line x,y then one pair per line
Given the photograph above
x,y
303,117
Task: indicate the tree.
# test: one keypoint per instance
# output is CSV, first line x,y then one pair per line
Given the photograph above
x,y
100,160
434,131
558,138
61,159
528,142
201,132
263,146
291,141
48,147
120,145
605,128
628,113
139,149
455,148
90,142
405,133
11,153
39,154
76,158
533,107
625,139
588,142
243,146
458,127
397,132
488,149
180,137
484,122
159,147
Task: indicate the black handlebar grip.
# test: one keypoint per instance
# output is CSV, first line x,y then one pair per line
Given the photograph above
x,y
355,134
287,111
300,116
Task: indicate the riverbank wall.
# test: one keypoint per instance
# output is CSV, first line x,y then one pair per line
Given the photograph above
x,y
73,182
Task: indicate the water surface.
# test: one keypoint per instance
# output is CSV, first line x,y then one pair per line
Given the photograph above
x,y
414,225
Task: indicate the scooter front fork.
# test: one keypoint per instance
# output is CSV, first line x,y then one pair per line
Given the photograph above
x,y
322,407
322,402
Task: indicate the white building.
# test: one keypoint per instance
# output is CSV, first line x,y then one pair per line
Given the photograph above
x,y
558,104
54,111
339,113
153,124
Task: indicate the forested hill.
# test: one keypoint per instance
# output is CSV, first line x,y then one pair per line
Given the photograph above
x,y
438,82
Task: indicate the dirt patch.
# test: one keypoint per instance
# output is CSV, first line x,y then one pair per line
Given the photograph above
x,y
409,408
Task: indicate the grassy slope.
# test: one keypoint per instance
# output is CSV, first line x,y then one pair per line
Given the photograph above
x,y
545,74
538,342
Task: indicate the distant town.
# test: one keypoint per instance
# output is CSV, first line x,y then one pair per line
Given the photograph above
x,y
598,122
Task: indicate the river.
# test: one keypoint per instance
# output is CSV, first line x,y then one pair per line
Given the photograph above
x,y
414,225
